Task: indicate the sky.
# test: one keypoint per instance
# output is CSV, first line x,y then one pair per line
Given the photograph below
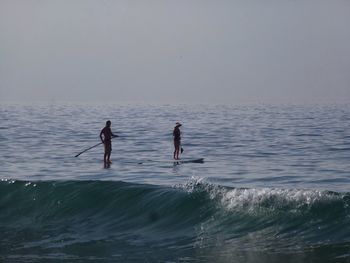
x,y
179,51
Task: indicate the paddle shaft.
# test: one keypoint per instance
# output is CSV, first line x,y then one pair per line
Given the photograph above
x,y
88,149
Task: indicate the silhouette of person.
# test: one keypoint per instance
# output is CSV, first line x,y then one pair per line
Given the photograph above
x,y
177,140
106,136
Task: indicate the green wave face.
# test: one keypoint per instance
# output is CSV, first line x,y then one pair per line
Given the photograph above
x,y
89,219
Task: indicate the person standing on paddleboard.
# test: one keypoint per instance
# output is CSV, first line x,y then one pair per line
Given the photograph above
x,y
177,140
106,136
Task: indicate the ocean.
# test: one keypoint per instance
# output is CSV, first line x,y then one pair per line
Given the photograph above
x,y
273,187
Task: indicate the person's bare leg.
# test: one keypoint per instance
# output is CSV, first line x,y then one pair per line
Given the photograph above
x,y
175,146
176,153
105,159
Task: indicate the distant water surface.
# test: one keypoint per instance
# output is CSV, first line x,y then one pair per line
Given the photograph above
x,y
274,184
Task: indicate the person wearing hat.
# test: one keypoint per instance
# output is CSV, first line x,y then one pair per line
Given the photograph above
x,y
106,136
177,140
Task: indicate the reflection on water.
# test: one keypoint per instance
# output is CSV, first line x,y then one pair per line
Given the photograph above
x,y
248,146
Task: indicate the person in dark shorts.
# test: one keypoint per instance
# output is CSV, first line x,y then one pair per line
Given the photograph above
x,y
106,136
177,140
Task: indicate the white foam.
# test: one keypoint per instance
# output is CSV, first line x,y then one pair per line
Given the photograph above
x,y
274,198
250,199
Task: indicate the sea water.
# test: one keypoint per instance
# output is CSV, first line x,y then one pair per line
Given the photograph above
x,y
274,185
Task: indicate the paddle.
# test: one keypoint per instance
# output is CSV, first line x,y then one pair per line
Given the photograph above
x,y
94,146
88,149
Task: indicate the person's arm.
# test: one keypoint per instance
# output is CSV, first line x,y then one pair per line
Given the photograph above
x,y
114,135
101,136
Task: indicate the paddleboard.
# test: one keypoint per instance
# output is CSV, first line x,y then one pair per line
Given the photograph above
x,y
183,160
148,161
198,160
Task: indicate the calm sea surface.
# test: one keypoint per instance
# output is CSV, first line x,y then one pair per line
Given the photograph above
x,y
274,184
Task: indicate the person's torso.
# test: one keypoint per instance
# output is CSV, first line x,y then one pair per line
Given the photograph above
x,y
107,133
177,134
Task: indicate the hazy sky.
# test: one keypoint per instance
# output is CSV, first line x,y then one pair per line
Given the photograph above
x,y
184,51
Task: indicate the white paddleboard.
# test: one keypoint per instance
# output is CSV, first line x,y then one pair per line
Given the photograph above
x,y
198,160
145,161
